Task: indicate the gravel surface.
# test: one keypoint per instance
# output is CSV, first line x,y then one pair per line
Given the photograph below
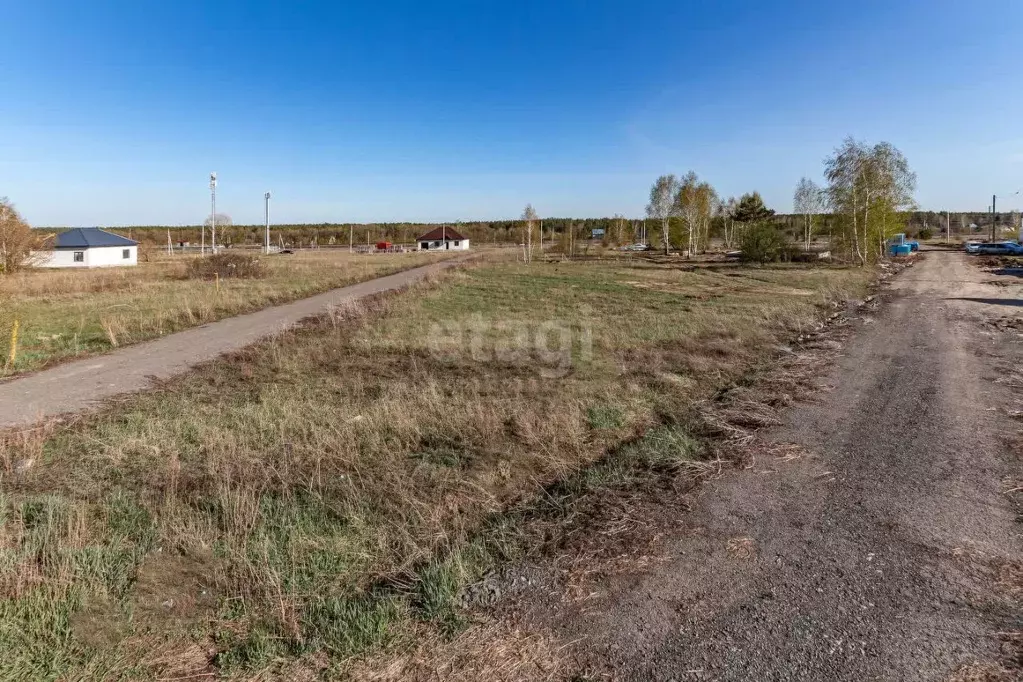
x,y
879,552
84,383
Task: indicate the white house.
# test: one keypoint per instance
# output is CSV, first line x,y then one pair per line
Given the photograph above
x,y
88,247
443,238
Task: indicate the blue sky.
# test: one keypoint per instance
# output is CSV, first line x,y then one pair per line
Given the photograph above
x,y
114,113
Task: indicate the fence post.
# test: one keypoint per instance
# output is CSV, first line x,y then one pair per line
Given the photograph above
x,y
13,355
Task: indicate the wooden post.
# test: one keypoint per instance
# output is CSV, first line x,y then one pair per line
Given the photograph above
x,y
13,355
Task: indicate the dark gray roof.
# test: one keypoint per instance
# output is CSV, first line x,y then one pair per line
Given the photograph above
x,y
84,237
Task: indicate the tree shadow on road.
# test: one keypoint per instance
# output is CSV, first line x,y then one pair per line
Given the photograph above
x,y
1014,302
1008,272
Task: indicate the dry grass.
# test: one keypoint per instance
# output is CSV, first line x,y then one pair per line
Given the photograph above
x,y
491,652
65,314
293,505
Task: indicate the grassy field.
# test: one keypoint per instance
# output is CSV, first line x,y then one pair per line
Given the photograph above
x,y
317,496
64,314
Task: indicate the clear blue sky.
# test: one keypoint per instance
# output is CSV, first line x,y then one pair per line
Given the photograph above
x,y
114,113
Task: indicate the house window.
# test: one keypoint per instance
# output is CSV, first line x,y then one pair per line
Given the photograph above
x,y
456,243
126,254
79,256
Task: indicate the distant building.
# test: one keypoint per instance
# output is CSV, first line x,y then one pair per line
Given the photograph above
x,y
443,239
88,247
597,233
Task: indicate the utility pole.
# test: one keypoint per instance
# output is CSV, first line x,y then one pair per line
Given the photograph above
x,y
351,238
213,213
948,228
993,199
266,215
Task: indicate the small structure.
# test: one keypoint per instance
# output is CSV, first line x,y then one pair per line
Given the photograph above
x,y
88,247
900,246
443,238
597,233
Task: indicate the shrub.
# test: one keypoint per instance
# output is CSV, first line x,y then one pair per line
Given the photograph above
x,y
227,264
762,243
925,233
16,239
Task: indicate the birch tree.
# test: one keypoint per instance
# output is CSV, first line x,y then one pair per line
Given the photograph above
x,y
868,189
808,201
530,218
663,205
726,209
695,205
619,223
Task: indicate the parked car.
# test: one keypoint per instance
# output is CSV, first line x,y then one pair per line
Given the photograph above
x,y
1004,248
637,247
972,247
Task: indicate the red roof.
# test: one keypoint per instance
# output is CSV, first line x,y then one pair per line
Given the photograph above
x,y
439,233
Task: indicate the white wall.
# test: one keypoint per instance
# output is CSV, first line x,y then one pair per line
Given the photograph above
x,y
94,257
438,245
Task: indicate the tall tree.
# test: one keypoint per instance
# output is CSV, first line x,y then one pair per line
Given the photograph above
x,y
530,218
663,205
726,210
696,201
751,209
619,225
809,200
868,188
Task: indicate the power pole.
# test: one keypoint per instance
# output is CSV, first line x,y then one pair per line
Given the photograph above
x,y
948,228
351,238
213,214
266,215
993,199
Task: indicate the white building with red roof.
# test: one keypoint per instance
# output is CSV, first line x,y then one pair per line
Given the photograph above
x,y
443,238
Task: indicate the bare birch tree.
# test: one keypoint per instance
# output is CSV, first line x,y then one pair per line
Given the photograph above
x,y
663,205
619,223
726,209
808,201
696,202
530,218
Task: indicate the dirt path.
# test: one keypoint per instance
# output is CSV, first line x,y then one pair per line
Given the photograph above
x,y
83,383
886,550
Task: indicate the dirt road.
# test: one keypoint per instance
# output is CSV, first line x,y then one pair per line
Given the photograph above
x,y
83,383
887,549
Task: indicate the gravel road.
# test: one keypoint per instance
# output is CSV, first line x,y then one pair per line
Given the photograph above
x,y
84,383
888,550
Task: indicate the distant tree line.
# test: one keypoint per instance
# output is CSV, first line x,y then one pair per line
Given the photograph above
x,y
338,234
